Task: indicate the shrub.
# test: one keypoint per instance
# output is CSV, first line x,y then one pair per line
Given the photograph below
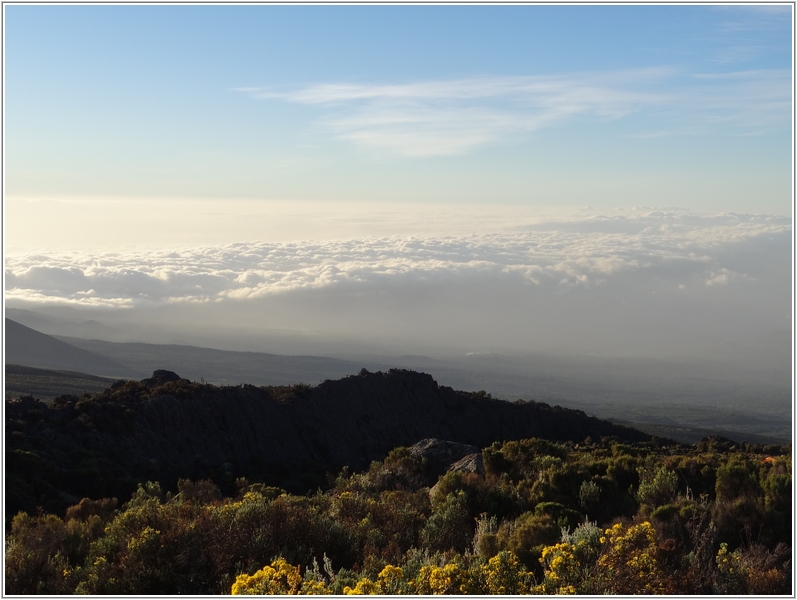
x,y
589,495
528,535
278,578
628,561
485,540
753,570
34,563
449,526
659,488
569,566
736,478
504,574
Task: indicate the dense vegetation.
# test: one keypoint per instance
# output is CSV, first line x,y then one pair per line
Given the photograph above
x,y
166,428
599,516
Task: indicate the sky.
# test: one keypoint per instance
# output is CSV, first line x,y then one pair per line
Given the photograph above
x,y
585,179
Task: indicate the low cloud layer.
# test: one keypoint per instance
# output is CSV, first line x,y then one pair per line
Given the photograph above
x,y
676,250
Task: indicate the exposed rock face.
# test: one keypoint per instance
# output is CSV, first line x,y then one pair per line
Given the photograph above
x,y
440,453
472,463
165,427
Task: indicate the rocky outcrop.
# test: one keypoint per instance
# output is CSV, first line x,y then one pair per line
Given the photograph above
x,y
440,454
472,463
160,376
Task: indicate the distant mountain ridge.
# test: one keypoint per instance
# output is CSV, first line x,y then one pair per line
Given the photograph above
x,y
674,402
26,346
69,322
223,367
164,428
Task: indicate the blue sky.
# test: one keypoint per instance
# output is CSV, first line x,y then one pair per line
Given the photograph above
x,y
522,105
578,179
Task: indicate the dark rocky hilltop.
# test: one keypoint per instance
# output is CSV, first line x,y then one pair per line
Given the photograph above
x,y
164,428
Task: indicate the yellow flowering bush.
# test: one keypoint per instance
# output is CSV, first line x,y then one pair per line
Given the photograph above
x,y
279,578
562,570
622,561
628,563
390,580
364,587
438,580
505,575
314,588
570,567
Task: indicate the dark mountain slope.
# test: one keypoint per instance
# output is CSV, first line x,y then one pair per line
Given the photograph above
x,y
26,346
677,396
165,427
46,384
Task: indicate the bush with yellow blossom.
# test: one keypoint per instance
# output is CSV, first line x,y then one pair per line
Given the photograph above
x,y
278,578
504,574
438,580
390,581
563,571
628,563
569,567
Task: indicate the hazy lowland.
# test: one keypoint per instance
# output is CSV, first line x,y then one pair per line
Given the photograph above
x,y
738,388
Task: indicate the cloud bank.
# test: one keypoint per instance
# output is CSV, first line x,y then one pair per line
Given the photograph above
x,y
657,248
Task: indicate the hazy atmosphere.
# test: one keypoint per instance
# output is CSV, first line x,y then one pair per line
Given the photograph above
x,y
368,182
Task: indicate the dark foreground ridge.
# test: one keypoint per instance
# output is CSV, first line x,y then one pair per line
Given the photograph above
x,y
165,427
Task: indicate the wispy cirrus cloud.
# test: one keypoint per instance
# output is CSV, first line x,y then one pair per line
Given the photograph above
x,y
448,117
604,91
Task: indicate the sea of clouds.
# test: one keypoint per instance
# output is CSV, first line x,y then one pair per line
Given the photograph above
x,y
681,250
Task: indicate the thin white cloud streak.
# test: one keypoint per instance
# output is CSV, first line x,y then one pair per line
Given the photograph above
x,y
594,89
422,131
439,118
681,250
